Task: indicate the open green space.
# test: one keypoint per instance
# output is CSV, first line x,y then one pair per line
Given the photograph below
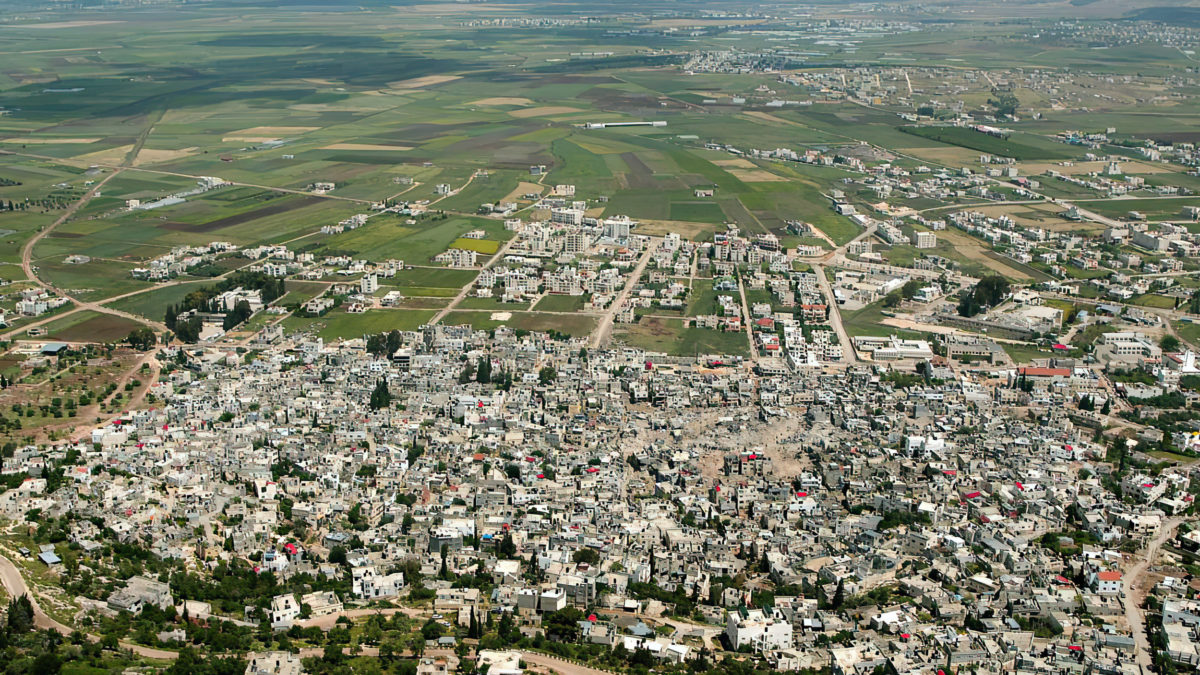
x,y
153,303
560,303
339,324
674,337
390,239
577,325
430,277
1018,146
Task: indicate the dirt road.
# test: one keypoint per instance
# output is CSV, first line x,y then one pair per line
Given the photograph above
x,y
1135,594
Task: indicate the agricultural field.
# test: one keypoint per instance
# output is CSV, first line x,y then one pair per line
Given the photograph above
x,y
426,130
153,303
89,326
387,239
1016,146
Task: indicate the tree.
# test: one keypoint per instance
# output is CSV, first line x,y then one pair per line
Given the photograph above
x,y
418,645
381,397
233,318
989,292
337,555
188,330
586,555
142,338
467,373
1169,343
20,615
563,625
483,370
839,595
547,375
507,548
892,299
507,629
1005,103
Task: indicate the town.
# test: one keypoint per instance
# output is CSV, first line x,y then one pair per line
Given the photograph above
x,y
836,339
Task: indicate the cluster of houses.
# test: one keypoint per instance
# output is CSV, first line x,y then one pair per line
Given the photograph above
x,y
181,259
810,515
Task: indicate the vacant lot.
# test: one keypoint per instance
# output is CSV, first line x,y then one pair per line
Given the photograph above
x,y
672,336
560,303
576,325
339,324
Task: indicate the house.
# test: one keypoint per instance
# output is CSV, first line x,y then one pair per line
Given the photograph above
x,y
753,628
321,603
1107,582
284,610
274,663
500,662
369,584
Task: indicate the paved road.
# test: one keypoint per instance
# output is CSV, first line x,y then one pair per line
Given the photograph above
x,y
1135,595
15,585
849,354
604,330
462,292
558,665
747,318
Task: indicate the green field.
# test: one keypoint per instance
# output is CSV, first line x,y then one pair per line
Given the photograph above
x,y
577,325
430,278
153,303
409,105
491,303
89,326
339,324
672,336
867,322
386,239
1189,331
1018,146
485,246
560,303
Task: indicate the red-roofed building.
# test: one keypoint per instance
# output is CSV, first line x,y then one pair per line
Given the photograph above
x,y
1107,582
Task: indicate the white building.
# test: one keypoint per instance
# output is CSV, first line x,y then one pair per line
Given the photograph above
x,y
368,583
274,663
284,610
753,628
